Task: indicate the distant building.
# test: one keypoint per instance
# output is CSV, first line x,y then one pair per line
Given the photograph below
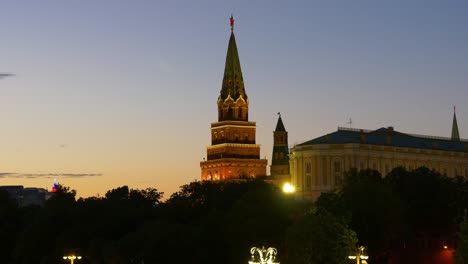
x,y
233,152
27,196
318,165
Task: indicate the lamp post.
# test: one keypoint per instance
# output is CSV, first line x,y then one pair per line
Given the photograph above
x,y
71,258
360,254
263,256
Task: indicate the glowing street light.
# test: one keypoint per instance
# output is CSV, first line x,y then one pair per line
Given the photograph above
x,y
360,254
288,188
263,256
71,258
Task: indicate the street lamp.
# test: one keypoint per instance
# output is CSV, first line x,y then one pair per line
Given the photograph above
x,y
288,188
360,254
71,258
263,256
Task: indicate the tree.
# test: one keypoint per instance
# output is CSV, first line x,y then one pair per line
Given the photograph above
x,y
376,212
461,255
319,238
9,225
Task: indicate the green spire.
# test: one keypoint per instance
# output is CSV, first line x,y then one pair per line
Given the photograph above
x,y
233,83
455,134
280,125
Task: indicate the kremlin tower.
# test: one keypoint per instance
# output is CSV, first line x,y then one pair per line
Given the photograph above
x,y
233,152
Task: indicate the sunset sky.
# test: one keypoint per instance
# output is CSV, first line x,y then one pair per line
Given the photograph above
x,y
112,93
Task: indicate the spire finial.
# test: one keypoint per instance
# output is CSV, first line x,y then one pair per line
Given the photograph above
x,y
454,109
231,20
279,114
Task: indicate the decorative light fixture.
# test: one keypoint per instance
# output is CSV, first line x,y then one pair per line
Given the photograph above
x,y
263,256
71,258
360,254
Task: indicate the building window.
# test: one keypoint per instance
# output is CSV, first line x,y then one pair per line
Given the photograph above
x,y
281,155
338,173
445,171
308,176
338,179
455,172
276,155
308,168
308,179
337,166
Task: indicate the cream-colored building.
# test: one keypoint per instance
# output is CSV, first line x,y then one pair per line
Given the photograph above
x,y
318,165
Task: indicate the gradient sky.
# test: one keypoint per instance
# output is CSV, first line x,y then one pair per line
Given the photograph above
x,y
112,93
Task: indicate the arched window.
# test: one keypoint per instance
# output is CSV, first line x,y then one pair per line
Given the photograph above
x,y
308,168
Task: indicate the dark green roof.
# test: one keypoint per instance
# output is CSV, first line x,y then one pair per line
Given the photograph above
x,y
397,139
280,125
233,82
455,134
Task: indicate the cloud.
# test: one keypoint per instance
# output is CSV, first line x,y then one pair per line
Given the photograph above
x,y
3,75
46,175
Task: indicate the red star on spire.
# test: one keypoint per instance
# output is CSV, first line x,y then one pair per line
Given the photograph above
x,y
231,20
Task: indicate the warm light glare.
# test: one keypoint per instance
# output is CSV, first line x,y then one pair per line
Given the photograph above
x,y
352,257
445,247
71,258
288,188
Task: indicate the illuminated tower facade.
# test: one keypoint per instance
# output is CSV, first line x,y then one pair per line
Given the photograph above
x,y
233,152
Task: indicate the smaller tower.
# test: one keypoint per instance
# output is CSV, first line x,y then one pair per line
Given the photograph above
x,y
279,157
455,133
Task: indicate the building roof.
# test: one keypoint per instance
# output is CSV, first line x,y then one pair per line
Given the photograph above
x,y
389,137
280,125
233,82
455,133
